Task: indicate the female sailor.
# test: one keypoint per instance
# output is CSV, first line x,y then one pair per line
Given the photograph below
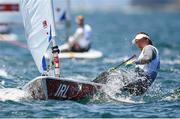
x,y
147,65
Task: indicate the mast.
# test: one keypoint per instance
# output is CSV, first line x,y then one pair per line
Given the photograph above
x,y
55,56
68,20
55,50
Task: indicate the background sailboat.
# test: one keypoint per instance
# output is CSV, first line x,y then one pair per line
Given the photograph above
x,y
62,13
10,12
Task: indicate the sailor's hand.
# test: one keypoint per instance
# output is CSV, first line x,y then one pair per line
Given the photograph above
x,y
130,63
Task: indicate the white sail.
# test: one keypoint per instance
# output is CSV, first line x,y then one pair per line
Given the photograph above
x,y
39,27
9,12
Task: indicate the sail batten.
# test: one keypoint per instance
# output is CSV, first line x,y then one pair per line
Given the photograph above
x,y
39,27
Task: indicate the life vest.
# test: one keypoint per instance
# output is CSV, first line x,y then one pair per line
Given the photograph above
x,y
153,66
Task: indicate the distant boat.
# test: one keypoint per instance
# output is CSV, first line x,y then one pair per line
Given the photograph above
x,y
10,12
9,15
62,13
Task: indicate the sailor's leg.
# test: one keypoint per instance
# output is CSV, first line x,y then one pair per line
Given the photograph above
x,y
139,86
71,41
87,48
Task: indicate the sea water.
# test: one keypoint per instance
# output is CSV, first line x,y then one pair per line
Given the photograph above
x,y
112,34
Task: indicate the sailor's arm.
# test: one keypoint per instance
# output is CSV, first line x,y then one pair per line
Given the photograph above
x,y
149,54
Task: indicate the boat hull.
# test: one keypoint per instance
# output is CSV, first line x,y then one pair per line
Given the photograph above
x,y
60,89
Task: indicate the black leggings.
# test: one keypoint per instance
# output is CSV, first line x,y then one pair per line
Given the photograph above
x,y
140,86
137,88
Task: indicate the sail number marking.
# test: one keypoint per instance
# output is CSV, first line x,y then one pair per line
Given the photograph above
x,y
62,90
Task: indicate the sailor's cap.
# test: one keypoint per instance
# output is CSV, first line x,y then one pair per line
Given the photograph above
x,y
140,37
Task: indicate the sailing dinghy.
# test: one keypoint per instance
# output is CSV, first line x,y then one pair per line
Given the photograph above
x,y
39,25
46,87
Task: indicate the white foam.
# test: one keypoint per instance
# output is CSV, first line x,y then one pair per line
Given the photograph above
x,y
3,73
2,83
171,98
12,94
175,95
125,99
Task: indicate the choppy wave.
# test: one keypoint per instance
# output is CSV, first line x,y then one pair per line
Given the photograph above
x,y
171,62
